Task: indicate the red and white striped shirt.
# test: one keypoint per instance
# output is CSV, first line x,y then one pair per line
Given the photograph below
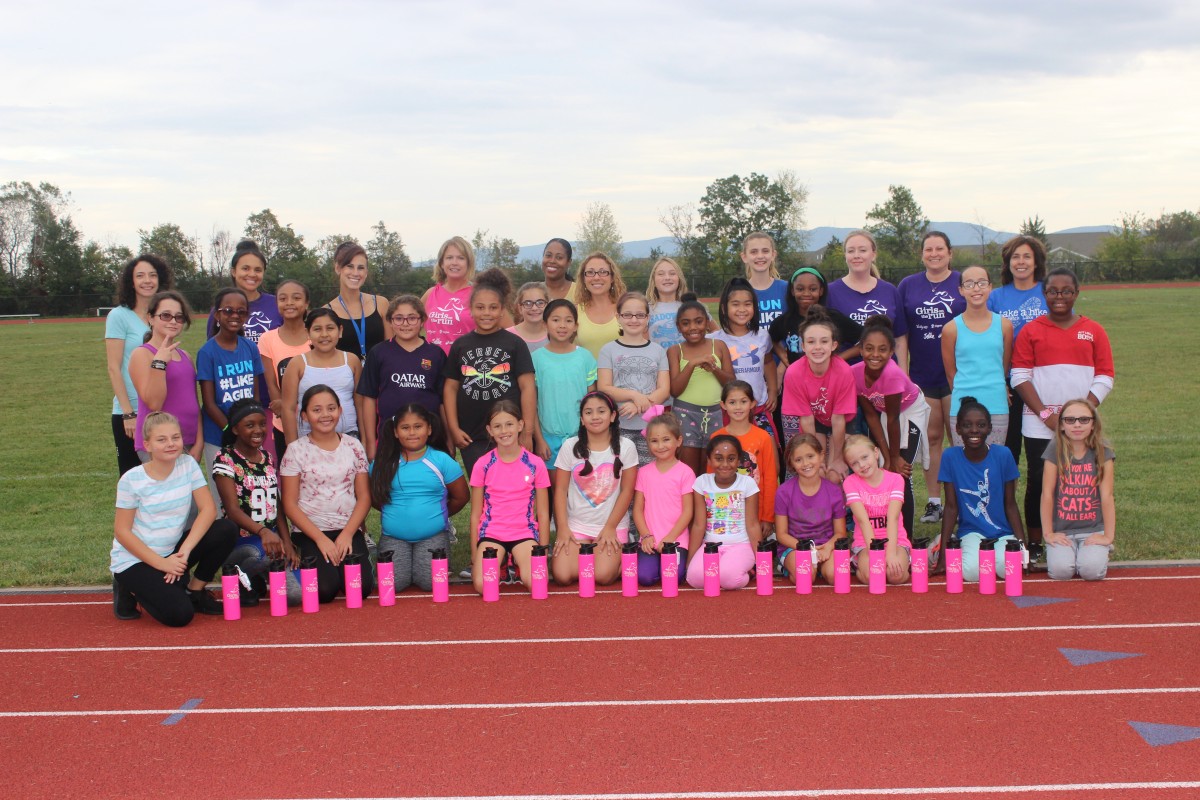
x,y
1063,364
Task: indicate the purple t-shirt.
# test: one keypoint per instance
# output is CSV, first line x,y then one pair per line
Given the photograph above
x,y
264,316
927,308
858,306
395,377
892,380
810,517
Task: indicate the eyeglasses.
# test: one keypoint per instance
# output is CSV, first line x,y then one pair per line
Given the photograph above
x,y
597,273
412,319
982,283
167,316
633,316
1061,293
234,312
1077,420
533,304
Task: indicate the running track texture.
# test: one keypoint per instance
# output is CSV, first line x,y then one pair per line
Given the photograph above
x,y
1076,690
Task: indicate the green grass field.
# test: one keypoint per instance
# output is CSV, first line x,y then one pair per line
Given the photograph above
x,y
58,465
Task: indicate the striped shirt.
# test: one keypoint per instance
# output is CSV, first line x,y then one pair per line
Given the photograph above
x,y
1063,365
160,508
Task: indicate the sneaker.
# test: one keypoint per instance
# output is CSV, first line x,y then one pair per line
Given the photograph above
x,y
935,552
933,512
249,598
204,603
465,574
1037,552
124,603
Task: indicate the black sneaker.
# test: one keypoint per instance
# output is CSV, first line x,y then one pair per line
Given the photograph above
x,y
249,597
204,603
1037,553
933,512
124,603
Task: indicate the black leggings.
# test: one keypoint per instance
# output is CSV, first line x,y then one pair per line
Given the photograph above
x,y
169,602
127,457
330,579
1016,413
1034,448
909,454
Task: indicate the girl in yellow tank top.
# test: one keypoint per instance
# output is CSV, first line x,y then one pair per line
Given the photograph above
x,y
699,368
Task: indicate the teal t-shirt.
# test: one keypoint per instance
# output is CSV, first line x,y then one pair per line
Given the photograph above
x,y
417,507
562,381
124,324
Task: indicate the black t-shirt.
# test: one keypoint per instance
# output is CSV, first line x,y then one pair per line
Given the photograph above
x,y
786,328
487,368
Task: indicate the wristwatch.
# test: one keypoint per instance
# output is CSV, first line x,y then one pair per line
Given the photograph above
x,y
1045,413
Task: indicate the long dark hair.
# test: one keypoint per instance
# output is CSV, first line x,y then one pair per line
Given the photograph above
x,y
126,294
389,449
614,432
737,285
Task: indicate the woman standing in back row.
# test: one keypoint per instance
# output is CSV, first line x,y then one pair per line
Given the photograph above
x,y
363,325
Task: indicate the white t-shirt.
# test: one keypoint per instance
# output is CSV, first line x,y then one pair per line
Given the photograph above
x,y
751,353
591,498
726,508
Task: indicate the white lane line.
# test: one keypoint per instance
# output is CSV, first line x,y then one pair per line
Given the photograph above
x,y
706,701
591,639
780,588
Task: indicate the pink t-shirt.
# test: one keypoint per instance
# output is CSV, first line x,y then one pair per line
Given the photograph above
x,y
876,499
272,346
326,479
806,395
449,315
509,495
892,380
665,493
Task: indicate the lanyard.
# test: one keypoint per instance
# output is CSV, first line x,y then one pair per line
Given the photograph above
x,y
360,327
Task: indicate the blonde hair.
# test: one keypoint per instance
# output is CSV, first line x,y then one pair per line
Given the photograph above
x,y
856,439
874,248
583,295
652,290
464,247
769,238
1094,442
156,419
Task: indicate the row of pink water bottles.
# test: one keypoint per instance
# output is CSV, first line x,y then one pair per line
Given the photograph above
x,y
352,565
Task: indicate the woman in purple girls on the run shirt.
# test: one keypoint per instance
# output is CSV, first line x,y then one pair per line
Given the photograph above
x,y
862,293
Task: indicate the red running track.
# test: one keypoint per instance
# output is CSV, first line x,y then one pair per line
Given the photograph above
x,y
855,696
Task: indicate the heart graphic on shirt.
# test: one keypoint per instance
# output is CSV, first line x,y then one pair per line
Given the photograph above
x,y
597,486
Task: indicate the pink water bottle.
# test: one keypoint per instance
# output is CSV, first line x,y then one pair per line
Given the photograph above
x,y
764,567
491,575
669,566
587,569
539,577
439,565
352,570
920,566
803,560
277,587
386,571
987,566
712,569
231,598
629,580
841,566
309,599
954,579
1014,585
877,566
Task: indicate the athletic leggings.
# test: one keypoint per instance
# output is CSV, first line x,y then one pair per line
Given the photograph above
x,y
169,602
1034,467
127,457
736,562
331,579
412,561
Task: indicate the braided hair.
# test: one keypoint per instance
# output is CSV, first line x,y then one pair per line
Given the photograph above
x,y
581,450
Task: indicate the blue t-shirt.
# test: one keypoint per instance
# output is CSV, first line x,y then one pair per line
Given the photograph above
x,y
661,327
771,302
417,509
124,324
562,381
1019,306
979,489
232,373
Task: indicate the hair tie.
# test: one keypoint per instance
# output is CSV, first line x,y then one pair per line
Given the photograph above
x,y
240,413
807,271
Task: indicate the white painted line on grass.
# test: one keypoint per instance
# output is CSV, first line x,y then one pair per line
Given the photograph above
x,y
548,704
590,639
55,477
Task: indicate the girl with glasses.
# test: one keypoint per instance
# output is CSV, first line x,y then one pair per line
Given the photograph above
x,y
633,371
163,374
976,351
596,294
531,302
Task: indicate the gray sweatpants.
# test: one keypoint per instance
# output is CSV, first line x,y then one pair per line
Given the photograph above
x,y
412,560
1089,561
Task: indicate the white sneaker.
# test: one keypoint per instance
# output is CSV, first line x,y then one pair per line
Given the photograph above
x,y
933,512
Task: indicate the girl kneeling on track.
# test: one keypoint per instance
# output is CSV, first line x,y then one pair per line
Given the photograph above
x,y
874,496
594,477
326,493
668,517
153,548
418,487
726,512
1079,516
249,488
510,508
808,508
981,489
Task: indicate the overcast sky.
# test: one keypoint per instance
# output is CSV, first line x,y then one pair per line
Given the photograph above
x,y
442,117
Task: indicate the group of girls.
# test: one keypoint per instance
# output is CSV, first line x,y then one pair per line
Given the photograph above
x,y
577,387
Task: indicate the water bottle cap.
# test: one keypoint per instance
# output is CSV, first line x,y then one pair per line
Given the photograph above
x,y
539,550
711,547
629,548
920,544
489,552
806,544
438,554
1012,546
879,544
384,557
229,569
277,565
842,544
352,559
954,544
587,548
308,562
670,547
766,546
